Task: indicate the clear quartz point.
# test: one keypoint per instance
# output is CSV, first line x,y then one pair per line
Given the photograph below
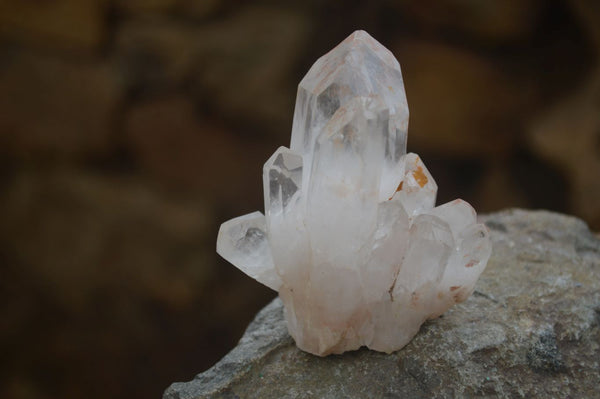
x,y
358,67
282,180
243,242
351,237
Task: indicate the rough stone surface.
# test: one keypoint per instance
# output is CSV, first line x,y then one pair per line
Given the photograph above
x,y
448,70
173,142
496,21
55,107
531,329
63,24
255,61
571,130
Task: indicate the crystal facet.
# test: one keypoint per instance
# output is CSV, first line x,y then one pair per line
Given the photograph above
x,y
351,237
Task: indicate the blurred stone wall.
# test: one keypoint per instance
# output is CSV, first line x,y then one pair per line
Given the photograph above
x,y
130,129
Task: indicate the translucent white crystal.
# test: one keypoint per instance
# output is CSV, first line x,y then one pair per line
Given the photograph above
x,y
244,240
358,67
351,237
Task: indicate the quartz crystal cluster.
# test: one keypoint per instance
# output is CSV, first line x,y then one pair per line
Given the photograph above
x,y
351,237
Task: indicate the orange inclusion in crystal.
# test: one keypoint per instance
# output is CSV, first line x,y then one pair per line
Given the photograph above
x,y
398,189
420,177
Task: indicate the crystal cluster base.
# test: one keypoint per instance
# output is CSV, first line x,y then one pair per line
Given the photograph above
x,y
351,238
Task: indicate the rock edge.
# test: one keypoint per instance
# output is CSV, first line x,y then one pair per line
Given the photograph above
x,y
532,328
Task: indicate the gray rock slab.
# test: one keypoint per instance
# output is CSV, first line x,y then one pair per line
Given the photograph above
x,y
531,329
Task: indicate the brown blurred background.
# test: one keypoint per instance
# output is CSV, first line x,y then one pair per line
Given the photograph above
x,y
130,129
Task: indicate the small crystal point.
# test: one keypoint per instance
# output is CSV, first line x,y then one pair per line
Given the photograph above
x,y
282,180
351,237
243,242
418,190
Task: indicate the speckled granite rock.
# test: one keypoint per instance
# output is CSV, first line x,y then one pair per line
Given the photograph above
x,y
531,329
